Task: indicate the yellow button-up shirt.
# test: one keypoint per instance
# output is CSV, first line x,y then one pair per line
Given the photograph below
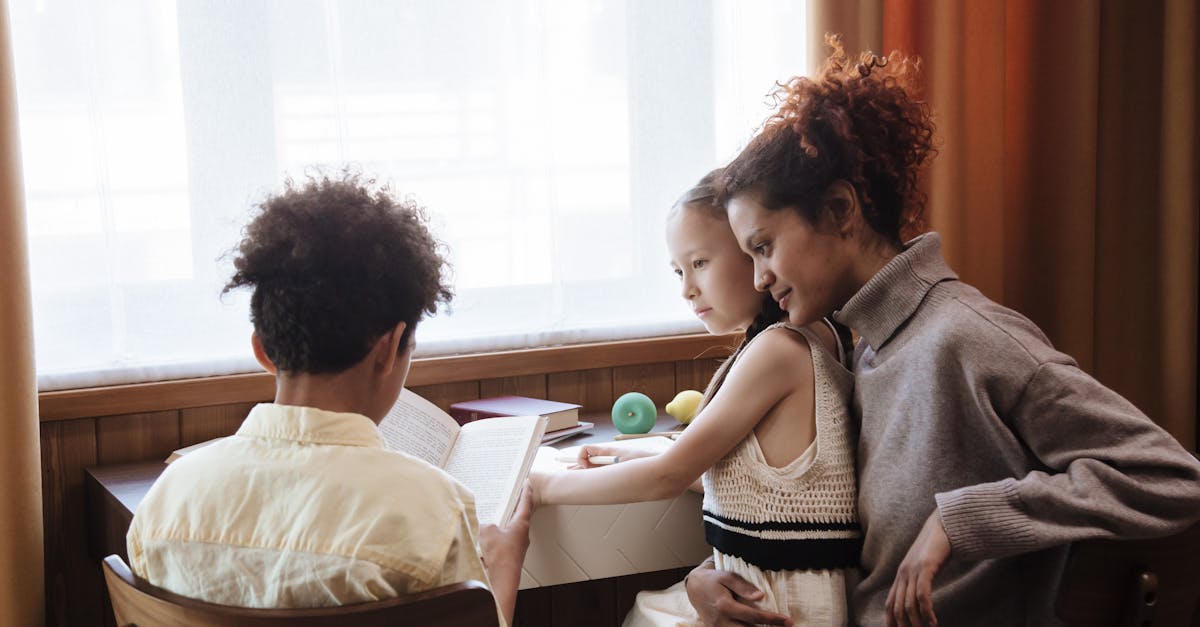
x,y
303,508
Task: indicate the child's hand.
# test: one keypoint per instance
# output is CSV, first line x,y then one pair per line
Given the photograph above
x,y
504,546
503,550
591,450
533,489
910,601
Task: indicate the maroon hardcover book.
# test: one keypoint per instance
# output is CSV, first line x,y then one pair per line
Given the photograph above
x,y
558,415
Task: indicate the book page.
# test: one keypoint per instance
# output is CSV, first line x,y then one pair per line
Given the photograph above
x,y
417,427
491,458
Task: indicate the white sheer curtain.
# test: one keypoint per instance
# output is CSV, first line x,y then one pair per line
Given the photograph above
x,y
546,137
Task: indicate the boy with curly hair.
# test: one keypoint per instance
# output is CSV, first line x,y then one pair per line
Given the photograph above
x,y
304,506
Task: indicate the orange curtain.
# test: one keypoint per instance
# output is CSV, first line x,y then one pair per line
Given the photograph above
x,y
1066,184
21,587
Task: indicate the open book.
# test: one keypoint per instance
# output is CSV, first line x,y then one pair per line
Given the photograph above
x,y
490,457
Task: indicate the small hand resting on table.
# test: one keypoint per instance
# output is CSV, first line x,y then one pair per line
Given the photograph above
x,y
624,453
722,598
588,451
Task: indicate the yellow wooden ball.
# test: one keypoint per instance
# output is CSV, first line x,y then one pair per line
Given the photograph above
x,y
684,406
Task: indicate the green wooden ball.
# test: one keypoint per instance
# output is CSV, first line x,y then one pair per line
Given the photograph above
x,y
634,412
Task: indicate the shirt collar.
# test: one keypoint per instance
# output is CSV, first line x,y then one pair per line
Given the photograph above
x,y
891,296
310,425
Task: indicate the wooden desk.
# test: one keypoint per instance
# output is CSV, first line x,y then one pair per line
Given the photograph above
x,y
114,492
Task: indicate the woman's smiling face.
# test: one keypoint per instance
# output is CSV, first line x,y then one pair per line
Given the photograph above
x,y
807,270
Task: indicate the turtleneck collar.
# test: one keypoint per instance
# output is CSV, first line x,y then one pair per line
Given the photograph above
x,y
891,296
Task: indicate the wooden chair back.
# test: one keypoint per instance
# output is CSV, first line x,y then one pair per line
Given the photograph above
x,y
136,603
1133,583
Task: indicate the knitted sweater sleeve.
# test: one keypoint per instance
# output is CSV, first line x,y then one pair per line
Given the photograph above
x,y
1107,471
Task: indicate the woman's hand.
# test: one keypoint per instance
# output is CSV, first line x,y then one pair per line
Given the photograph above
x,y
910,601
722,598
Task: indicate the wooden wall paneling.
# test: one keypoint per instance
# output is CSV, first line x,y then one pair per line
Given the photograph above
x,y
445,394
654,380
694,374
531,385
73,583
134,398
585,604
427,370
136,437
591,388
197,424
533,608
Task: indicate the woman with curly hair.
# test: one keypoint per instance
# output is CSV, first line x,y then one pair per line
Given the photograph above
x,y
982,450
303,506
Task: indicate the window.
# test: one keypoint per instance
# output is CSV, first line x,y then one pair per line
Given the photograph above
x,y
547,138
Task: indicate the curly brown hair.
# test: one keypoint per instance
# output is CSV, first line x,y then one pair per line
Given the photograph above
x,y
861,122
335,263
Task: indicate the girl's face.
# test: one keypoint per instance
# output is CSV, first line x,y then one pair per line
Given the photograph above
x,y
715,276
807,270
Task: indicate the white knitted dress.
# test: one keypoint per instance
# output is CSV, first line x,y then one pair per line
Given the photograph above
x,y
791,531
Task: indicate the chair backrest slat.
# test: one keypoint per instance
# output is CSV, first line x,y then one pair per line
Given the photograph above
x,y
1138,583
136,603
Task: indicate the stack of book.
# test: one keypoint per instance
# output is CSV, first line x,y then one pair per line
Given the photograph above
x,y
562,419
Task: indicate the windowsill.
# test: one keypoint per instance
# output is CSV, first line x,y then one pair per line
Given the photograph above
x,y
253,387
